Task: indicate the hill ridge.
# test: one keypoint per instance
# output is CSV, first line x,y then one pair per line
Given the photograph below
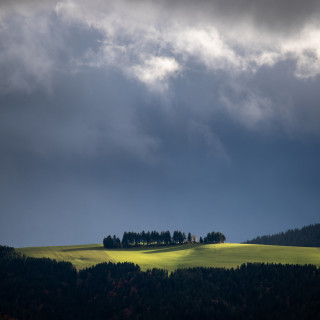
x,y
307,236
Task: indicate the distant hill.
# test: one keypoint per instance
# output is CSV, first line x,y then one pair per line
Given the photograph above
x,y
308,236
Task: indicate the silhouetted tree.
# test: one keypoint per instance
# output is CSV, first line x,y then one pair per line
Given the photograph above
x,y
143,237
214,237
125,240
182,237
167,237
111,242
108,242
117,242
176,236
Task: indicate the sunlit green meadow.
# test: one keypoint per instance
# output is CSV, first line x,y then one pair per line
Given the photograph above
x,y
211,255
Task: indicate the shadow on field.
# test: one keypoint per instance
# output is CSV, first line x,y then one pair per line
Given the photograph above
x,y
84,249
172,248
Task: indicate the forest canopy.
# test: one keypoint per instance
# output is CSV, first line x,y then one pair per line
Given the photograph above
x,y
308,236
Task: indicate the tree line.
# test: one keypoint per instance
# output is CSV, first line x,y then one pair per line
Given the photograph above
x,y
36,289
308,236
155,238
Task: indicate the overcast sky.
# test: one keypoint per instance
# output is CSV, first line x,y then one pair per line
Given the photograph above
x,y
157,115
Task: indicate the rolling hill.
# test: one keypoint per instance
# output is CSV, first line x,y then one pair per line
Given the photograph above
x,y
174,257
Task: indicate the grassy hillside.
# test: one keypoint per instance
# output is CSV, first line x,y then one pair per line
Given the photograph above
x,y
170,258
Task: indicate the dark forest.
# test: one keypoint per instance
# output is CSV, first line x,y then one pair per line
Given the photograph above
x,y
308,236
33,288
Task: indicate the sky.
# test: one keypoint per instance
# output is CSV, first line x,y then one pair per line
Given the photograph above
x,y
159,115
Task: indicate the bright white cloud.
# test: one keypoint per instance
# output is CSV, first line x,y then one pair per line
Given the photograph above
x,y
205,44
154,71
306,50
139,37
135,31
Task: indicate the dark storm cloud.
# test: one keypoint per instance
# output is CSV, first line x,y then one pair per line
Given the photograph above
x,y
275,15
157,115
72,172
84,120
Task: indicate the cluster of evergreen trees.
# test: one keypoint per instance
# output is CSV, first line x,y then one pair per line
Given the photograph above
x,y
112,242
214,237
308,236
155,238
145,238
37,289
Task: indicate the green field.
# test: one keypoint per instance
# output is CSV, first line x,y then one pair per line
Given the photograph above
x,y
212,255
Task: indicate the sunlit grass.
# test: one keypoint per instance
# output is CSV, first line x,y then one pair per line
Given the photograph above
x,y
212,255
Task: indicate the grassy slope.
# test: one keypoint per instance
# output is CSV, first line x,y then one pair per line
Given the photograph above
x,y
170,258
